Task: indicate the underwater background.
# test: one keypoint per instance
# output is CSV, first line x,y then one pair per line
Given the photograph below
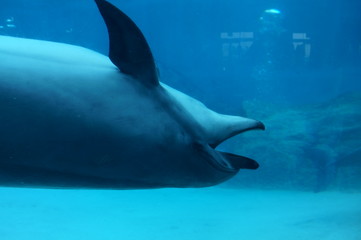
x,y
295,65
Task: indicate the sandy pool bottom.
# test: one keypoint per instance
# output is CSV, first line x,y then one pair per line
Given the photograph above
x,y
172,214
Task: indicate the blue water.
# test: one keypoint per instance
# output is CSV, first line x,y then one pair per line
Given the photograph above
x,y
298,70
185,36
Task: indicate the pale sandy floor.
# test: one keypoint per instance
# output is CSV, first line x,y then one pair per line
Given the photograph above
x,y
172,214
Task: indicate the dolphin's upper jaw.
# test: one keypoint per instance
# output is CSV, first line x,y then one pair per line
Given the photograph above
x,y
227,126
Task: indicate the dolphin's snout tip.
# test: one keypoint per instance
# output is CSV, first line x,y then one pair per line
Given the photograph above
x,y
254,165
260,125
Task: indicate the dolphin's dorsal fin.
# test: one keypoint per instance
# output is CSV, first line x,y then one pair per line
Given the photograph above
x,y
128,49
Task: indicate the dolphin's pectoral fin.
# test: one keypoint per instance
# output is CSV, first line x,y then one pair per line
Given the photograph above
x,y
239,162
128,49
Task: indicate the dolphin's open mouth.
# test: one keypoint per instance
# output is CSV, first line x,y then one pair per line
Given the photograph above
x,y
233,162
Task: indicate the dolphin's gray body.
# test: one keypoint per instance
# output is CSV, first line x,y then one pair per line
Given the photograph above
x,y
70,117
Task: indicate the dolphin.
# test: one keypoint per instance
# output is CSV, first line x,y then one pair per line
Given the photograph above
x,y
74,118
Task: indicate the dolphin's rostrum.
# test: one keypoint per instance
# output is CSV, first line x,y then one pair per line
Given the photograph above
x,y
72,118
